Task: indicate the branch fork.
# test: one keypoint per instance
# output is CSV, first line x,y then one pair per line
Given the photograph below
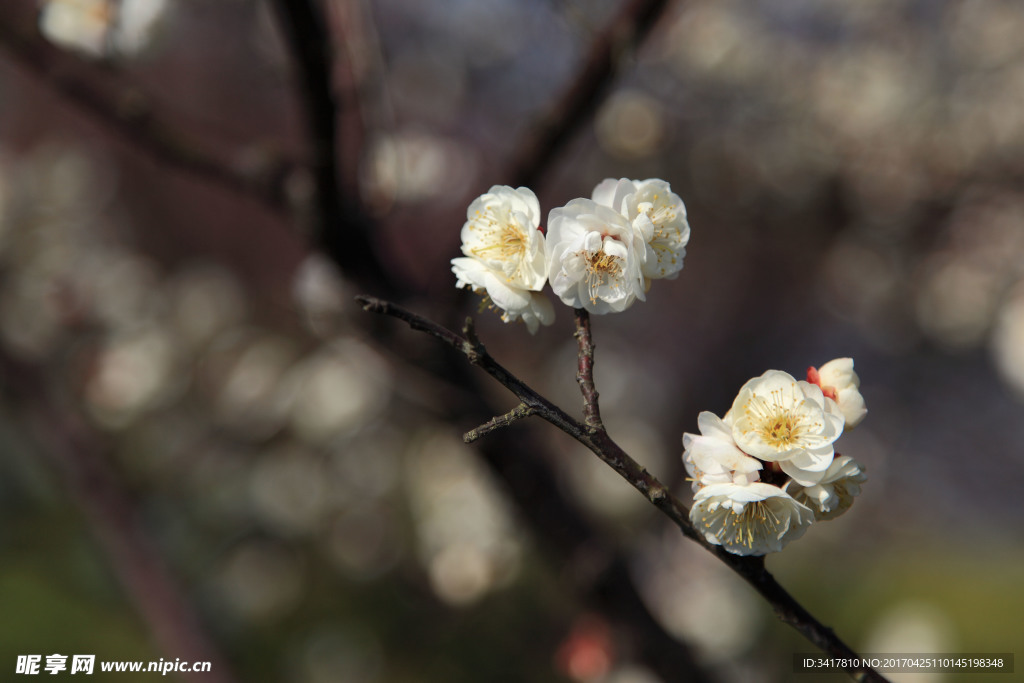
x,y
592,434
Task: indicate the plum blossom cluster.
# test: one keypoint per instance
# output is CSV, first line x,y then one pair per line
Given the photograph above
x,y
768,469
599,254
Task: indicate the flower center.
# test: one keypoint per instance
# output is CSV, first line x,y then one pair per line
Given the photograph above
x,y
755,521
781,430
601,268
513,242
779,426
503,240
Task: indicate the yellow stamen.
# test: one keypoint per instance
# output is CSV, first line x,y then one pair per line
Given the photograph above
x,y
601,268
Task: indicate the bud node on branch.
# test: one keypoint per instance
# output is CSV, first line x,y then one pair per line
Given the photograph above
x,y
518,413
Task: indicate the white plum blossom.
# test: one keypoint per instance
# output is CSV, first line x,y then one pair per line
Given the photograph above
x,y
504,255
712,457
839,382
768,469
595,257
834,494
776,418
515,303
755,519
654,211
502,232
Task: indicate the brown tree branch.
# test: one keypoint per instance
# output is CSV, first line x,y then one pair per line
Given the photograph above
x,y
518,413
585,369
752,569
597,440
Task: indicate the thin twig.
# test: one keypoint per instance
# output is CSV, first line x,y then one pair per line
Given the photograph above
x,y
585,370
518,413
572,541
555,128
127,112
752,569
596,440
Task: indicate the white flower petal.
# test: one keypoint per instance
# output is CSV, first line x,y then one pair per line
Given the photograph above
x,y
469,272
839,373
713,457
838,379
755,519
539,311
613,193
503,296
833,494
712,425
809,466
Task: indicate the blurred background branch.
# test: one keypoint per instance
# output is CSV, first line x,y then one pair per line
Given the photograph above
x,y
341,227
132,116
609,50
74,450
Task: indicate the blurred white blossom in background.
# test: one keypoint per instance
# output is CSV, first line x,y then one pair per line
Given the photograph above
x,y
100,28
912,626
465,534
1008,338
694,600
409,167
